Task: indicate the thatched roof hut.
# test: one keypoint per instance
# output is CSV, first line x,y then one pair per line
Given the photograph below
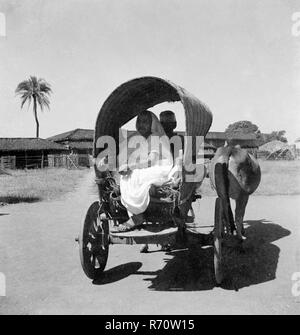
x,y
273,146
276,150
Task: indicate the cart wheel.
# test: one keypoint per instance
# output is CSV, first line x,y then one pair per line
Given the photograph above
x,y
218,232
94,242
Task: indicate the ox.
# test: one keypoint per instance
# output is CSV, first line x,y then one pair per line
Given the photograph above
x,y
235,174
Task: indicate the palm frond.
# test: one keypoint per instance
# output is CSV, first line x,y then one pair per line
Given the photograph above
x,y
43,101
45,87
23,86
34,81
24,99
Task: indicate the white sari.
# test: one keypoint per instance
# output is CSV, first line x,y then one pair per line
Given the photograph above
x,y
135,186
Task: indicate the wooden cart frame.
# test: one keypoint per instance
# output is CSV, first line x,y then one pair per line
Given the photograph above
x,y
122,105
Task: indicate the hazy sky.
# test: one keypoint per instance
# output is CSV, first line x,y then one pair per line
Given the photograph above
x,y
238,56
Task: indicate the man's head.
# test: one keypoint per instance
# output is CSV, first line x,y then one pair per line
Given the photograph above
x,y
144,123
168,121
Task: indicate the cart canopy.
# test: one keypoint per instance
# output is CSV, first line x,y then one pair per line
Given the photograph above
x,y
139,94
126,101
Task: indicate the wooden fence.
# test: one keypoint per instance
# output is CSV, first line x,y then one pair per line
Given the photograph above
x,y
70,161
8,162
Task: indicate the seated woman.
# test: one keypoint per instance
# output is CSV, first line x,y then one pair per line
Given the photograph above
x,y
153,166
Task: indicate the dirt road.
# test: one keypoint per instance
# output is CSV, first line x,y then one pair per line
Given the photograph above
x,y
40,260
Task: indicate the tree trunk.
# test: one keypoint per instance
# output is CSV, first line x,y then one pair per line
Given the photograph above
x,y
36,118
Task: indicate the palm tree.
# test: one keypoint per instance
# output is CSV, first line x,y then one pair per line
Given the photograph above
x,y
37,90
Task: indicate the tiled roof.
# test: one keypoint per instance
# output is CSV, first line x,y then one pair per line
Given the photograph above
x,y
28,143
74,135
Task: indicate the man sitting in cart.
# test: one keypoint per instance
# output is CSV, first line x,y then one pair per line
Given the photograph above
x,y
168,120
137,177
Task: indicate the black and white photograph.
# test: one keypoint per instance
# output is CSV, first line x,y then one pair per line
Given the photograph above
x,y
150,159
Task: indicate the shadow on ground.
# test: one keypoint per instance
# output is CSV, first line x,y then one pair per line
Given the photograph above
x,y
192,269
18,199
117,273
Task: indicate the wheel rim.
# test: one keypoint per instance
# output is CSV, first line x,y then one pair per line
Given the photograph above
x,y
94,241
218,234
218,260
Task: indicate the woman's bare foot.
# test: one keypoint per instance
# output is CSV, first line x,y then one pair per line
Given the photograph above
x,y
125,227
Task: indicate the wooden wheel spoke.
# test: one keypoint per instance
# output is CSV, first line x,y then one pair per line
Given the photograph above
x,y
91,237
97,263
94,228
219,231
93,260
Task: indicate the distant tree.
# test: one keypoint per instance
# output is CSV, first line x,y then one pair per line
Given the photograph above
x,y
275,135
36,90
244,127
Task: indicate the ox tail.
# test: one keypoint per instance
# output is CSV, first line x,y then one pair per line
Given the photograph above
x,y
222,188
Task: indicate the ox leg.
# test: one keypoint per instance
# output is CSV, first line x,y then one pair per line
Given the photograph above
x,y
228,216
240,208
222,188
